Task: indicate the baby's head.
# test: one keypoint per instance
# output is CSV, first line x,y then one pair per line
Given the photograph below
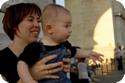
x,y
56,23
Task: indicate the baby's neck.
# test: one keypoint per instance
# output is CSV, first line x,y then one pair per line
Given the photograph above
x,y
48,41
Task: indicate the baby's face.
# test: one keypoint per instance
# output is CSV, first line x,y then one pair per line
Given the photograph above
x,y
62,27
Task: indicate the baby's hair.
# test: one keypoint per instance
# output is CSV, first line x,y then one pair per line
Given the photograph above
x,y
51,12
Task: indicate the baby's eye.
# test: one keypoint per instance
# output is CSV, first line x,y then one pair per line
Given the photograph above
x,y
66,26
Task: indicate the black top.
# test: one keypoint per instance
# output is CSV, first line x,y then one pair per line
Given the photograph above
x,y
36,50
8,65
8,60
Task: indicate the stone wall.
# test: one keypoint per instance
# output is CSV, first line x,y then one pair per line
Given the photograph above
x,y
119,23
4,40
92,25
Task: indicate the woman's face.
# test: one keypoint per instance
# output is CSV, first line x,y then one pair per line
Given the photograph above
x,y
28,30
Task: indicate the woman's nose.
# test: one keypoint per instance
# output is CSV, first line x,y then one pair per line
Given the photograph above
x,y
36,23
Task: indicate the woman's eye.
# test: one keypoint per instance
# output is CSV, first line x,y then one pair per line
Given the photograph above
x,y
30,19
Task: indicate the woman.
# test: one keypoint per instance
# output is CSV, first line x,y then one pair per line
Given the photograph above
x,y
21,23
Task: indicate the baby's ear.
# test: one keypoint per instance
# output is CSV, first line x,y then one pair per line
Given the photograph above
x,y
48,29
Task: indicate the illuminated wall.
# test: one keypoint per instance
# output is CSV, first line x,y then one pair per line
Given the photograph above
x,y
93,25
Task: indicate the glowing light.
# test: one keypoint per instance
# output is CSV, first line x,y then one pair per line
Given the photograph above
x,y
2,1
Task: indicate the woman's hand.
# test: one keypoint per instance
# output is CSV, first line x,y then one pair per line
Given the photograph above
x,y
41,70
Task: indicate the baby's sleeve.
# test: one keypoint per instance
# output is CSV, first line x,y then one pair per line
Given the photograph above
x,y
72,49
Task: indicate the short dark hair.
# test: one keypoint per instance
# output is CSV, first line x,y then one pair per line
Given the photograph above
x,y
15,14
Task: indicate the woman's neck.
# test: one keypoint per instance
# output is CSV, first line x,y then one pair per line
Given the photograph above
x,y
17,47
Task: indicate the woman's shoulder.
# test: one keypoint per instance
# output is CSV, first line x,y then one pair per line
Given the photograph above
x,y
5,50
5,53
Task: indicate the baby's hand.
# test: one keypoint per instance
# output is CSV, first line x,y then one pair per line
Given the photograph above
x,y
89,54
66,64
95,56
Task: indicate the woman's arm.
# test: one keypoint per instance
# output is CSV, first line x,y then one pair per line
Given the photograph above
x,y
23,72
